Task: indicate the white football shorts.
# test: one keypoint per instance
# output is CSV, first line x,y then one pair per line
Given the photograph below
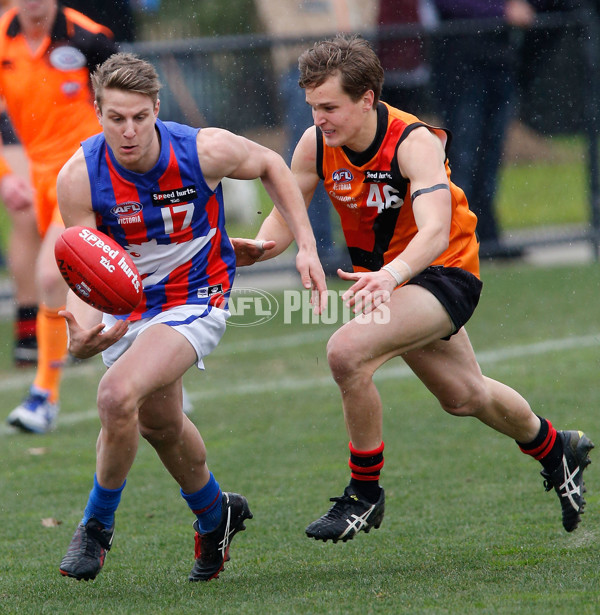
x,y
203,331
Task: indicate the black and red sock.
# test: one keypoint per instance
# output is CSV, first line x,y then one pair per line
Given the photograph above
x,y
25,327
365,469
546,447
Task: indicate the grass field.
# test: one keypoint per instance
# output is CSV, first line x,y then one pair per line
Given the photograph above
x,y
551,191
468,527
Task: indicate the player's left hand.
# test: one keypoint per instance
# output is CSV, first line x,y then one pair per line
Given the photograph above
x,y
249,251
370,289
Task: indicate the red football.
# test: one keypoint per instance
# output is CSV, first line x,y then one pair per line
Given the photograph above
x,y
98,270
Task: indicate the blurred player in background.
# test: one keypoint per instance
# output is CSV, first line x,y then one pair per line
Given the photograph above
x,y
23,238
46,54
23,246
169,177
415,282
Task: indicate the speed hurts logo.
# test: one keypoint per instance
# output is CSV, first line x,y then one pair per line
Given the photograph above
x,y
108,262
94,240
175,196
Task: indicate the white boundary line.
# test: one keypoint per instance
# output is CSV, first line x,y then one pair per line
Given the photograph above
x,y
487,357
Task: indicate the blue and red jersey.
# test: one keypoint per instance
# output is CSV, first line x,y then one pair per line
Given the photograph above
x,y
169,221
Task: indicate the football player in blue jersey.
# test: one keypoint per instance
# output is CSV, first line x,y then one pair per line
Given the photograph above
x,y
177,240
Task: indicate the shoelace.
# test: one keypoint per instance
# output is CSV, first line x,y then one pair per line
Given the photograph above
x,y
336,511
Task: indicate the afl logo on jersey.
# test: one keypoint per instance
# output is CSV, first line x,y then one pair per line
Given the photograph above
x,y
67,58
127,213
124,210
342,175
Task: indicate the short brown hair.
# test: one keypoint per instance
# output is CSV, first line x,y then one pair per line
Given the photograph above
x,y
350,56
126,71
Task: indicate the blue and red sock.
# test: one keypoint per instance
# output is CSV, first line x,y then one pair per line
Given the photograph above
x,y
206,505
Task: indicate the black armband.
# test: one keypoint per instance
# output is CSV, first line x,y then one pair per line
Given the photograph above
x,y
417,193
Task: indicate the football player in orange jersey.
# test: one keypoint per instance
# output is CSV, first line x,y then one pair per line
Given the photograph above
x,y
415,283
46,52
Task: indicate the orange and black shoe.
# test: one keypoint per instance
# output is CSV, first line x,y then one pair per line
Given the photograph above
x,y
567,478
86,553
212,548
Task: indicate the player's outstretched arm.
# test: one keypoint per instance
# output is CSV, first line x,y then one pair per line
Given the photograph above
x,y
305,174
223,154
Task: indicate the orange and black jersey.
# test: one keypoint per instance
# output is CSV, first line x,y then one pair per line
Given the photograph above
x,y
374,200
48,93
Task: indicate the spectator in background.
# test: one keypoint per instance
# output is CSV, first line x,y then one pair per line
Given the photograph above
x,y
309,18
46,52
475,86
404,60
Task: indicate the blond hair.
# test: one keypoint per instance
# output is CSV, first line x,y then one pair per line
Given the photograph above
x,y
128,72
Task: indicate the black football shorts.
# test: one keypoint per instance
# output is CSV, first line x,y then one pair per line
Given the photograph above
x,y
456,289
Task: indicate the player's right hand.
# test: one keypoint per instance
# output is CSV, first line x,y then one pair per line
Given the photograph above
x,y
85,343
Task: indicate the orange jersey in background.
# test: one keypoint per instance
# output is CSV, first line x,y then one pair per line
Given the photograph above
x,y
48,93
374,202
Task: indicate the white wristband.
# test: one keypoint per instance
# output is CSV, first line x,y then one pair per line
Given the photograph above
x,y
408,269
394,274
